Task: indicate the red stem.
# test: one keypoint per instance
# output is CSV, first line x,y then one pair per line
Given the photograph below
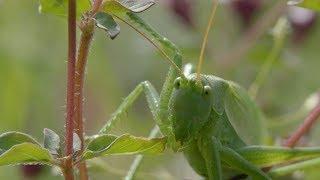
x,y
86,37
87,27
96,6
68,171
304,127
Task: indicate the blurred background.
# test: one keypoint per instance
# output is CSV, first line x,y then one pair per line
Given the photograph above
x,y
33,74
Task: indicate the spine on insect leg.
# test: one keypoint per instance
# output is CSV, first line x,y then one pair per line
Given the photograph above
x,y
166,94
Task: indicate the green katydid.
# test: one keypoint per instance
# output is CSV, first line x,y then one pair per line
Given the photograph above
x,y
211,120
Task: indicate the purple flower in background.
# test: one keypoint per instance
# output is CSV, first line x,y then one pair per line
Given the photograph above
x,y
246,9
302,20
183,10
31,170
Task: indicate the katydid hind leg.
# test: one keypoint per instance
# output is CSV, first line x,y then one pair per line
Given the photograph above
x,y
236,161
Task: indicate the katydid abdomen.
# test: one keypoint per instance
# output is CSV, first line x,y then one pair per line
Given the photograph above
x,y
211,115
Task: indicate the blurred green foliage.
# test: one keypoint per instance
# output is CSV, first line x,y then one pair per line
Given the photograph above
x,y
33,67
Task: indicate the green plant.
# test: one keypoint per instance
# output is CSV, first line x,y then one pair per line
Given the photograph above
x,y
17,148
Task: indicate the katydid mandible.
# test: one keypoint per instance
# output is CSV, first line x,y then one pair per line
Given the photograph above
x,y
211,120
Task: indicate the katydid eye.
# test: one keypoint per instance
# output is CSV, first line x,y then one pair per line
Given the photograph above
x,y
177,83
206,90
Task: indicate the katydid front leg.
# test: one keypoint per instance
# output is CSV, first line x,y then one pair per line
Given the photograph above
x,y
209,148
152,99
158,105
171,53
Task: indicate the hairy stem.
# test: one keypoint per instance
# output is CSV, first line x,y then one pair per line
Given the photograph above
x,y
96,6
68,169
87,28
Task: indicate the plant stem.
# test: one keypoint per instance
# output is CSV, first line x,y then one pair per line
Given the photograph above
x,y
68,170
279,34
96,6
87,28
304,127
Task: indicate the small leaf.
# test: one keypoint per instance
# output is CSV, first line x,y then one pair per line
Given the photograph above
x,y
76,143
9,139
107,23
137,5
264,156
127,5
25,153
310,4
51,141
125,144
59,7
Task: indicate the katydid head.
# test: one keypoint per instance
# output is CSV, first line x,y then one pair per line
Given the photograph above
x,y
190,107
191,101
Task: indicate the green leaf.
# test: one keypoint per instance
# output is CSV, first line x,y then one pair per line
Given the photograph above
x,y
265,156
60,7
310,4
106,22
117,6
103,145
100,142
51,141
9,139
17,148
25,153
